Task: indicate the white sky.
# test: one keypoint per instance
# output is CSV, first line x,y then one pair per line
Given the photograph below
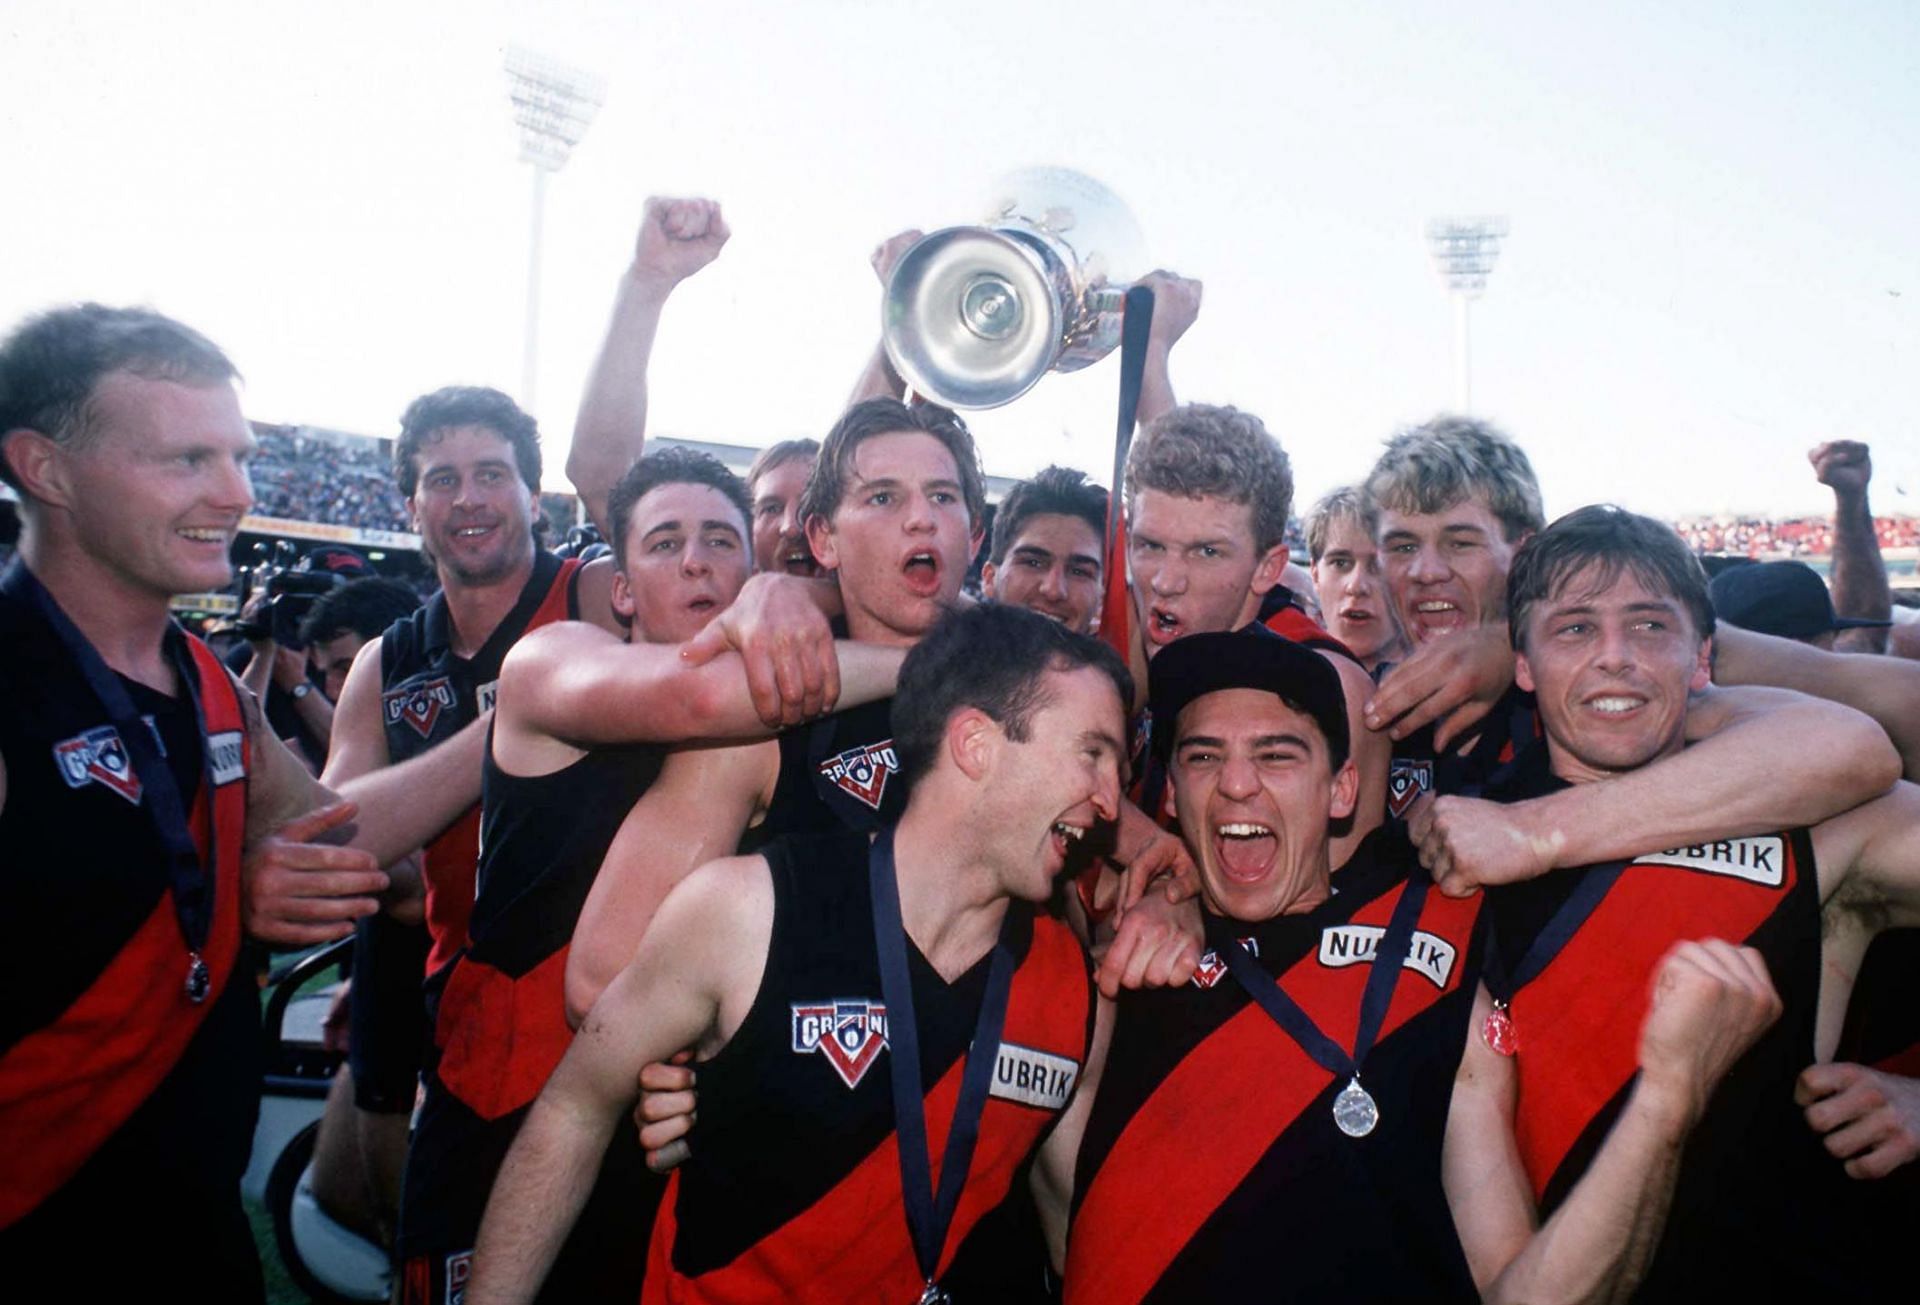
x,y
1715,258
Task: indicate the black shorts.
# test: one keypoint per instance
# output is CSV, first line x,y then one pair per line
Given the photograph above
x,y
387,1017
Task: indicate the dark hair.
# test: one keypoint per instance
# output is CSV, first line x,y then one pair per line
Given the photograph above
x,y
995,657
860,423
1059,490
51,363
1431,467
1614,540
1200,449
363,607
779,454
465,405
673,465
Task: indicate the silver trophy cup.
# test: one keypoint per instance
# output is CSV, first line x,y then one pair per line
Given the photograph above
x,y
973,317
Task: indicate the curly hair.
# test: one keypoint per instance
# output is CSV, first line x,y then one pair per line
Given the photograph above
x,y
465,405
1200,450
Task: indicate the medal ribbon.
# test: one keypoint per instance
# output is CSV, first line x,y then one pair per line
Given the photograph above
x,y
191,882
1388,959
1585,899
929,1215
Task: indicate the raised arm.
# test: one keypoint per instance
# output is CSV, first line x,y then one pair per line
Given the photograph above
x,y
695,812
1176,303
1710,1001
677,238
877,379
674,995
1724,785
1885,688
1859,573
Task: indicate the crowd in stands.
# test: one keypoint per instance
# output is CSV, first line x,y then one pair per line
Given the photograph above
x,y
305,477
1794,537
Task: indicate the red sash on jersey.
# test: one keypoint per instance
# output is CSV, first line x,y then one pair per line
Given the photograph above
x,y
1579,1020
1292,623
1205,1127
452,861
66,1088
853,1243
500,1037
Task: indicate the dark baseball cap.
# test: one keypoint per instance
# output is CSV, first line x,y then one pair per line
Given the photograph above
x,y
1253,658
338,559
1784,598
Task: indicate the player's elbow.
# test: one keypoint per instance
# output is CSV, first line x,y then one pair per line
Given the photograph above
x,y
586,979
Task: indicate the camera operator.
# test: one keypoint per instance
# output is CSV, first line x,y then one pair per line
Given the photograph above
x,y
275,666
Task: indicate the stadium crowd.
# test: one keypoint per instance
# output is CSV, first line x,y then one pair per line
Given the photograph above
x,y
1451,904
306,477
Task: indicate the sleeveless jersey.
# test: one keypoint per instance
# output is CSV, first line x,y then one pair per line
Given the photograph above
x,y
1760,1211
1418,767
1211,1167
836,773
500,1022
428,695
119,1096
793,1189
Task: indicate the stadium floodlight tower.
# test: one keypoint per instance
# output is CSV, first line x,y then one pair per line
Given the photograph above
x,y
554,105
1464,250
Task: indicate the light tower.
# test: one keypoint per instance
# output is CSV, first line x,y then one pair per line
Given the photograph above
x,y
554,105
1464,250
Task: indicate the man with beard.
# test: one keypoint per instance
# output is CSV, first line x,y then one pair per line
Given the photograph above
x,y
792,970
1310,1117
576,740
1613,627
1047,548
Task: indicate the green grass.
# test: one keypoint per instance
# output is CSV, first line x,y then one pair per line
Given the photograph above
x,y
280,1288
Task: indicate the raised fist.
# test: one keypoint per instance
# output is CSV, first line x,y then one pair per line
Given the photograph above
x,y
1842,465
1176,303
677,238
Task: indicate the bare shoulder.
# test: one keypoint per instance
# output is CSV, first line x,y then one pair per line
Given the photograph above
x,y
1870,856
723,898
594,591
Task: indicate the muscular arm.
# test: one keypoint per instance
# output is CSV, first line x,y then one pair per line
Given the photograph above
x,y
574,682
1859,573
696,811
1885,688
1724,785
678,992
677,238
1708,1004
1176,303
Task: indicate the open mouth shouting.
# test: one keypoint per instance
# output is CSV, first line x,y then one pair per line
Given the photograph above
x,y
1244,850
796,558
1433,616
1065,836
1163,625
922,571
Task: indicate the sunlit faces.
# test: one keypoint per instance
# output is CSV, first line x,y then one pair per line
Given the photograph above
x,y
472,510
154,495
1195,566
1053,568
901,537
1611,667
1446,570
779,536
1048,792
1254,791
1353,598
686,558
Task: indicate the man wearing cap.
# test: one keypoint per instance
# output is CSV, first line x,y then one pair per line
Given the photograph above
x,y
1787,599
1311,1115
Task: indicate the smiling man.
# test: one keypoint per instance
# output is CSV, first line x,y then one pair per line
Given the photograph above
x,y
1310,1116
1046,550
1613,625
831,986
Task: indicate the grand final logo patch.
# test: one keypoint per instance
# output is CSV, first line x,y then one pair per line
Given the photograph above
x,y
849,1032
1407,779
862,772
420,705
98,757
1213,966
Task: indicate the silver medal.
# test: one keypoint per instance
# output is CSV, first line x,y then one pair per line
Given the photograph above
x,y
199,978
935,1295
1354,1110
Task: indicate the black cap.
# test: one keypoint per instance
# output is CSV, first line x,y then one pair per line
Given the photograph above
x,y
1784,598
1253,658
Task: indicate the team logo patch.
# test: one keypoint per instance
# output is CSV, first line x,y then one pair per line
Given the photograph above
x,y
1033,1077
420,705
1213,966
1430,956
862,772
849,1032
98,757
1407,779
459,1269
1757,860
486,694
225,760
